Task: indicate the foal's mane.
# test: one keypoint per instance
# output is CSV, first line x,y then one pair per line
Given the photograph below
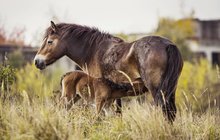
x,y
86,34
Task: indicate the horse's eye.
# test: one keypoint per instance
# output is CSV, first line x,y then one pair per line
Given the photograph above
x,y
50,42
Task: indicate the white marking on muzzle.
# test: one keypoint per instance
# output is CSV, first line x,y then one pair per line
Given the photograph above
x,y
40,57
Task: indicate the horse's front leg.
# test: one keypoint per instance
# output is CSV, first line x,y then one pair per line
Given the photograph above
x,y
108,107
118,104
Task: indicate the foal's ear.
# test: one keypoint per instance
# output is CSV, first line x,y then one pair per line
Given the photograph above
x,y
53,26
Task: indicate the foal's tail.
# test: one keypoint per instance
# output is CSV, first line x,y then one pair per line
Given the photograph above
x,y
169,80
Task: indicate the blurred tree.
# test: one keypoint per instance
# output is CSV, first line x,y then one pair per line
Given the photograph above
x,y
15,37
7,77
122,36
127,37
2,34
16,59
178,31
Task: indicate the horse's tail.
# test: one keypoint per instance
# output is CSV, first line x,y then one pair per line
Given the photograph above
x,y
167,87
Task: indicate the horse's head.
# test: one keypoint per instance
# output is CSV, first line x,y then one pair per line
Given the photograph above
x,y
52,48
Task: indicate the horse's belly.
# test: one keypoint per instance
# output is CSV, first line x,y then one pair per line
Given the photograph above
x,y
130,70
116,66
122,75
121,71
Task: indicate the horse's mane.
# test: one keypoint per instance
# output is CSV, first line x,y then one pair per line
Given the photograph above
x,y
87,34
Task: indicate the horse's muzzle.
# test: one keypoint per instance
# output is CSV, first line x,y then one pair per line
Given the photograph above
x,y
40,64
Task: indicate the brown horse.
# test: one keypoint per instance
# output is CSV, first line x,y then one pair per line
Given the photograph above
x,y
99,90
156,60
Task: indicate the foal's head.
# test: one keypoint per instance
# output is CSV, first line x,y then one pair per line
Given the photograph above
x,y
52,48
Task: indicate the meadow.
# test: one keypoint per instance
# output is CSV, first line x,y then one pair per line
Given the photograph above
x,y
29,109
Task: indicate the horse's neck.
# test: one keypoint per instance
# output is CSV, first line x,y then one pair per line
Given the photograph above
x,y
93,65
94,59
77,51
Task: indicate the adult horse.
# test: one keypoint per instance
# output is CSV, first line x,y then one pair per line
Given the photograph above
x,y
156,60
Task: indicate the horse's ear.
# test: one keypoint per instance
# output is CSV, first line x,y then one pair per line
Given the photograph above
x,y
53,26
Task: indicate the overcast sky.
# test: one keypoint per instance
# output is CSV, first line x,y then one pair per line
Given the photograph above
x,y
113,16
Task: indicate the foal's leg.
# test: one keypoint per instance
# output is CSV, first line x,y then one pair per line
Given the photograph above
x,y
100,102
76,98
71,95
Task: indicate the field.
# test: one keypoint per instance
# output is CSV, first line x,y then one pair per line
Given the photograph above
x,y
29,109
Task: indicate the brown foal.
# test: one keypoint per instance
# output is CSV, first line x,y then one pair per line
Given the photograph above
x,y
101,91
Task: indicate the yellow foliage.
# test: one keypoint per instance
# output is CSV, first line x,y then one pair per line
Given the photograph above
x,y
35,82
196,81
177,31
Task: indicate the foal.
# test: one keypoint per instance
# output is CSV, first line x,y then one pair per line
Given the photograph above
x,y
103,92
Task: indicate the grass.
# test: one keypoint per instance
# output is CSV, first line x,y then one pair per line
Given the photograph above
x,y
44,119
30,110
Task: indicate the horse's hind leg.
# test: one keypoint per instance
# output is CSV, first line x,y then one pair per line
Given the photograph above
x,y
167,103
170,108
152,75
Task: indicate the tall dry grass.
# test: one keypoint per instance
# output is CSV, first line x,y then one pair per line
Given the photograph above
x,y
42,119
30,111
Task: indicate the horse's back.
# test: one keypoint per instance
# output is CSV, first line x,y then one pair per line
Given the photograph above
x,y
152,49
155,41
73,76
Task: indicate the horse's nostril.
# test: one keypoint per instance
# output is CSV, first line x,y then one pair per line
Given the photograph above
x,y
39,63
36,62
